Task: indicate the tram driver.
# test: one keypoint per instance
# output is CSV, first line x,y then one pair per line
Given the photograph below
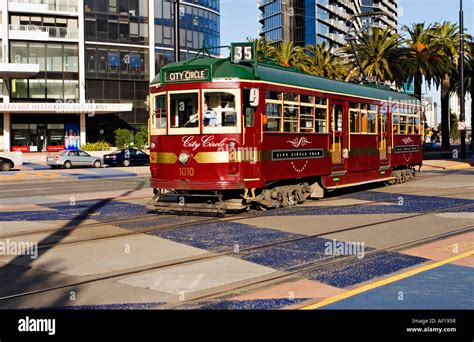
x,y
209,114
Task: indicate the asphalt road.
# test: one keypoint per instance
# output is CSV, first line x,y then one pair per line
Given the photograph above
x,y
72,187
251,261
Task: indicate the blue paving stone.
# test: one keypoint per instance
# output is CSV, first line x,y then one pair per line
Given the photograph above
x,y
411,204
371,266
100,210
158,220
444,288
34,166
107,173
223,236
257,304
285,256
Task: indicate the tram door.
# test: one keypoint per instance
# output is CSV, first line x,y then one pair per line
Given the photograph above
x,y
339,151
251,123
383,135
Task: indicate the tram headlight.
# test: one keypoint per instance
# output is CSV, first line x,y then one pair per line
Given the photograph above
x,y
184,158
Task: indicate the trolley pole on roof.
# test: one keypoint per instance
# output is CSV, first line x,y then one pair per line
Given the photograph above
x,y
176,30
462,115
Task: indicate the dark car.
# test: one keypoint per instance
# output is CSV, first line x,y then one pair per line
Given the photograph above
x,y
6,164
127,157
431,146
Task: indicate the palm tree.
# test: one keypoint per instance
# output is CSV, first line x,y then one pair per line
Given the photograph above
x,y
423,57
265,50
381,55
468,78
289,55
447,33
321,61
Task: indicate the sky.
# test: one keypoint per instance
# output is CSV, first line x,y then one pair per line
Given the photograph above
x,y
239,19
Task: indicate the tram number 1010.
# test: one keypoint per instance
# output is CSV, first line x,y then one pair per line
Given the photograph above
x,y
186,171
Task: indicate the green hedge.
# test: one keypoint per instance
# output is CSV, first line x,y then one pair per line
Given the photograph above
x,y
96,146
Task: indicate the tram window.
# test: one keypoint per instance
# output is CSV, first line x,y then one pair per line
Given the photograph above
x,y
184,110
364,117
249,111
160,111
417,124
403,124
274,111
396,121
337,118
273,95
383,120
291,109
291,97
219,109
308,99
354,117
290,118
306,119
321,120
371,122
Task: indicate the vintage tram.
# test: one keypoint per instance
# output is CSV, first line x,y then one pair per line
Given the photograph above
x,y
230,133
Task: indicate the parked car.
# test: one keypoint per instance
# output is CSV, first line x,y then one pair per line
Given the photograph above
x,y
127,157
68,159
6,164
431,146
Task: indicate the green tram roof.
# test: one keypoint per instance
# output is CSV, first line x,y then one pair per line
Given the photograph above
x,y
221,68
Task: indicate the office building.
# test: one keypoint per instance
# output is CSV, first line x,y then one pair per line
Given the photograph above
x,y
316,21
80,69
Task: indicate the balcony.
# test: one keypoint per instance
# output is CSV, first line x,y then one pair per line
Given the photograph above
x,y
33,32
340,25
68,7
18,70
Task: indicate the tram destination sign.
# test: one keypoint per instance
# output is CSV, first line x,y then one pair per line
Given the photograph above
x,y
406,148
297,154
186,75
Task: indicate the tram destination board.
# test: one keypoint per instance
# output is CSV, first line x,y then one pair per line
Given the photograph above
x,y
191,75
407,148
297,154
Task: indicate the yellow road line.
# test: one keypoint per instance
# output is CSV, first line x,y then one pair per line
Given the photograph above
x,y
386,281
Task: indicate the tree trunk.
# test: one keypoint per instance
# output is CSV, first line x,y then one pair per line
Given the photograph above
x,y
418,84
472,119
445,144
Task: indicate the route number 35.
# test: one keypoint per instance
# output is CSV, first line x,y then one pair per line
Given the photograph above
x,y
243,53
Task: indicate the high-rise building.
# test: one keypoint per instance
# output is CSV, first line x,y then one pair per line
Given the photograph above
x,y
430,108
316,21
80,69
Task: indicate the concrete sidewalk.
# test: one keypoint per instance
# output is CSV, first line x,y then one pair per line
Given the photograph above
x,y
447,164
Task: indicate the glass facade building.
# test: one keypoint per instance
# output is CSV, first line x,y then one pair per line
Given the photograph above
x,y
101,52
316,21
199,22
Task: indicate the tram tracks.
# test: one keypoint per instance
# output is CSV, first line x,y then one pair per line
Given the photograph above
x,y
303,268
186,224
64,229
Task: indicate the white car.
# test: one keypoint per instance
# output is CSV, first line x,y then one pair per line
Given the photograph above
x,y
67,159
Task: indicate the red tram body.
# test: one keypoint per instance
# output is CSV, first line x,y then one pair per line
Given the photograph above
x,y
236,134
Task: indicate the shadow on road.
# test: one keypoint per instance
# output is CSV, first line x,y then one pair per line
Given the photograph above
x,y
18,275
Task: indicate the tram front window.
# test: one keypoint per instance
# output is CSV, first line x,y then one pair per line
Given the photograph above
x,y
184,110
219,109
